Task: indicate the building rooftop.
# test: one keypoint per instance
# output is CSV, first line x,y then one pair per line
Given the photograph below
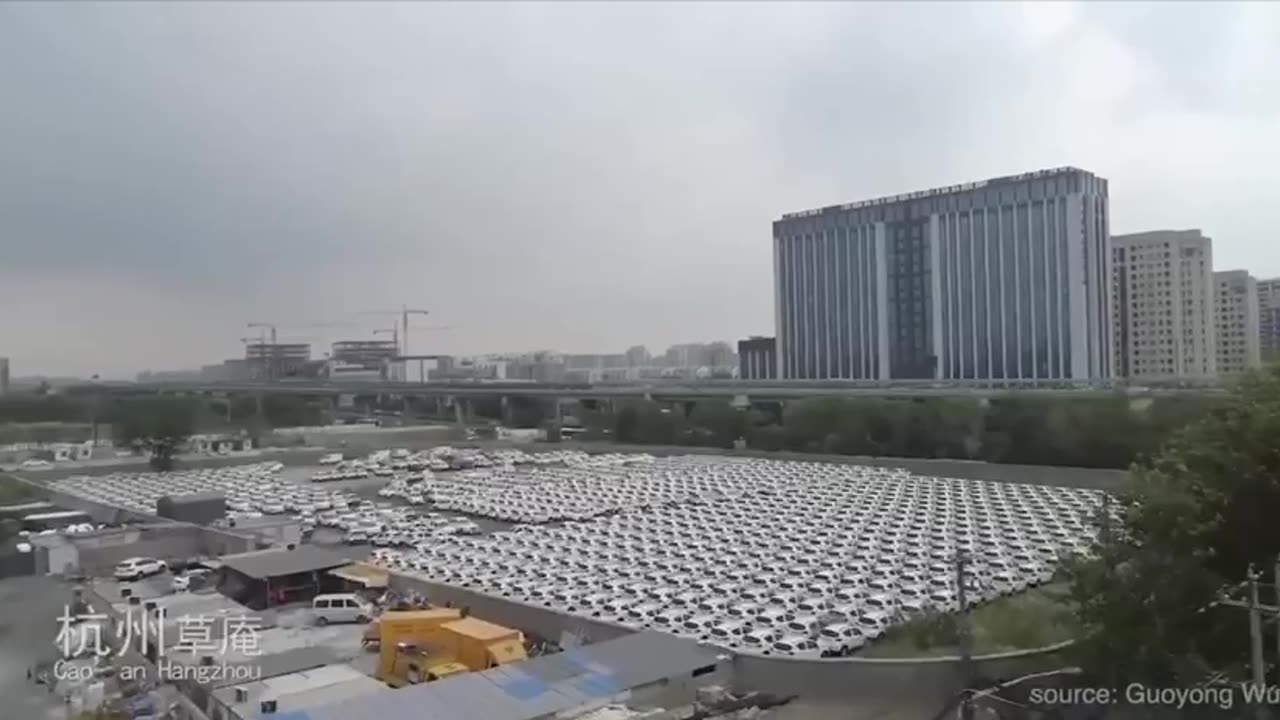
x,y
534,688
299,690
479,629
263,564
934,192
368,575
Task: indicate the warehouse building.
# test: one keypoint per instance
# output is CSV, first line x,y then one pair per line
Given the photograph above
x,y
267,578
198,508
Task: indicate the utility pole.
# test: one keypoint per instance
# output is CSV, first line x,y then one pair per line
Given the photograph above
x,y
1255,635
1276,588
965,638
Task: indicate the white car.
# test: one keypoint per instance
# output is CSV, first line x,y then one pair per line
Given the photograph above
x,y
183,582
840,639
872,624
138,567
795,646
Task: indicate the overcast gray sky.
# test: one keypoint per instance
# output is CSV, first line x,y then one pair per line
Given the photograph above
x,y
580,176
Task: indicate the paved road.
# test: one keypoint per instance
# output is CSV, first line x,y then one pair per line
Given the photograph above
x,y
29,611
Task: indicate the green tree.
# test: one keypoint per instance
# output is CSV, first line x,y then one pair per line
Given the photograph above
x,y
625,424
158,425
1019,430
658,425
1100,432
767,437
717,423
1201,510
825,425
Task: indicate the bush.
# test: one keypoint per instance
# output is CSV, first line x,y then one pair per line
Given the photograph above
x,y
1108,432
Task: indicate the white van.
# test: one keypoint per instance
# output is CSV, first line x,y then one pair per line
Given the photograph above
x,y
340,607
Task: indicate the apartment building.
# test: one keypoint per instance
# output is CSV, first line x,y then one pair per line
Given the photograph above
x,y
1236,310
1162,289
1269,319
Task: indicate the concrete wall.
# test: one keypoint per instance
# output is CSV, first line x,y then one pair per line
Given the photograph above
x,y
97,553
356,437
869,687
546,623
100,512
872,687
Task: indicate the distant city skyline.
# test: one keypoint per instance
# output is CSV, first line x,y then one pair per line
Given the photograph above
x,y
225,167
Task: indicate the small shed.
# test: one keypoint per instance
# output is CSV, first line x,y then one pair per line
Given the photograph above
x,y
362,576
268,578
199,508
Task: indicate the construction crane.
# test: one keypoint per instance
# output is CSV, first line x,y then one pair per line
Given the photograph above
x,y
404,312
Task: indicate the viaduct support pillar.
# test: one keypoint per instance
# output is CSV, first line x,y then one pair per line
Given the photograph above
x,y
461,411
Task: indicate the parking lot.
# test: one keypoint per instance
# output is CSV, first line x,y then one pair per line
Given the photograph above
x,y
790,558
347,510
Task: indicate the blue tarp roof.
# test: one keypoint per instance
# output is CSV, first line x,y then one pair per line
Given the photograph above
x,y
530,689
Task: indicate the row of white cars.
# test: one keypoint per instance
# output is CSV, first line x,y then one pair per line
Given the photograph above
x,y
257,483
258,490
385,463
774,557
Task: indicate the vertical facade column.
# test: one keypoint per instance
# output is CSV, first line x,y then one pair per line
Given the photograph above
x,y
935,294
1078,305
882,302
778,322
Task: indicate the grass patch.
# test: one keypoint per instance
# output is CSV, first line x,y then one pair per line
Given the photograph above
x,y
1031,619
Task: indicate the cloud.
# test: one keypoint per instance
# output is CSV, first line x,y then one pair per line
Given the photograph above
x,y
582,175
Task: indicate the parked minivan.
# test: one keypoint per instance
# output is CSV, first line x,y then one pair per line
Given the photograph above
x,y
340,607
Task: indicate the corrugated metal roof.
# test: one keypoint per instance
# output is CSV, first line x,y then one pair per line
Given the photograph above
x,y
196,497
273,563
539,686
287,663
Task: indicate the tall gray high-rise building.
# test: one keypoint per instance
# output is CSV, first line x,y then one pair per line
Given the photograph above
x,y
1236,312
1163,305
1269,318
1005,278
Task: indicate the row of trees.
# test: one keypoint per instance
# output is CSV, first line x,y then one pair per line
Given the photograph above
x,y
1084,432
1201,511
1107,432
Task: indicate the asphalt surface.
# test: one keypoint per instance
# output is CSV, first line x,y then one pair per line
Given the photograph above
x,y
29,612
